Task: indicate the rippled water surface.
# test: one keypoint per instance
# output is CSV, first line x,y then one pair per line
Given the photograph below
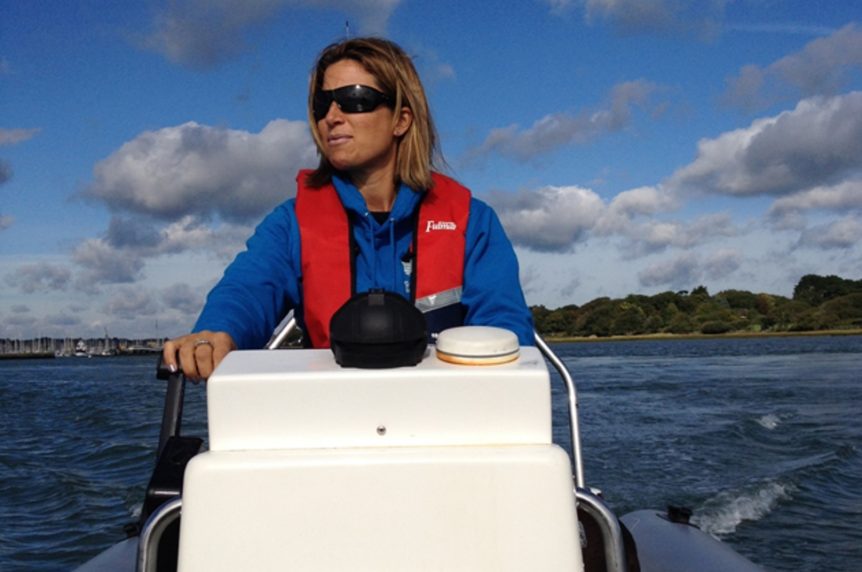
x,y
761,437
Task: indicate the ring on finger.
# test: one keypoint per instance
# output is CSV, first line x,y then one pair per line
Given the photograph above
x,y
203,342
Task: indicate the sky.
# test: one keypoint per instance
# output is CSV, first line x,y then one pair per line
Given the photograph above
x,y
628,146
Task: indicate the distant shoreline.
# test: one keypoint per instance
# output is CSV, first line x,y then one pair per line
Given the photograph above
x,y
52,355
28,355
672,337
549,339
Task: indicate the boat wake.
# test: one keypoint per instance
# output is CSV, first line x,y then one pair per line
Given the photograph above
x,y
723,513
769,421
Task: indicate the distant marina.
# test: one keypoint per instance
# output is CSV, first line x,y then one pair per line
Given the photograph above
x,y
40,348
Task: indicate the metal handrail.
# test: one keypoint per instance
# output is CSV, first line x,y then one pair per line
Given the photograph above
x,y
151,534
287,325
574,425
615,554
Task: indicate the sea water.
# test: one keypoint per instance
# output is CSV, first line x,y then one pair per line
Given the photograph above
x,y
760,437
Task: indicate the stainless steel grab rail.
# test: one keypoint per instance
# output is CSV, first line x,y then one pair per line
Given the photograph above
x,y
151,534
615,553
574,425
592,504
287,325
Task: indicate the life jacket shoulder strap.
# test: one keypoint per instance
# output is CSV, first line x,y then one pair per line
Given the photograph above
x,y
325,248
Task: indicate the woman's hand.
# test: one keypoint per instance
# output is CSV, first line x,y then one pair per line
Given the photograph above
x,y
199,353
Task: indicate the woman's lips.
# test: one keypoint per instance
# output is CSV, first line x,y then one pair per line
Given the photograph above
x,y
335,140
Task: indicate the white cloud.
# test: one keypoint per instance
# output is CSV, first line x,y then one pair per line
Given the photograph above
x,y
718,265
430,67
713,225
189,188
39,277
104,264
131,304
18,320
817,143
656,235
636,215
559,7
822,67
559,129
15,136
61,322
628,205
838,198
224,240
555,219
794,28
203,34
139,236
530,278
843,233
183,298
689,269
549,218
199,170
119,257
680,272
642,201
649,16
569,288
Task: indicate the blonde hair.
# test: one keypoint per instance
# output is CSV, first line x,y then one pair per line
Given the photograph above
x,y
394,71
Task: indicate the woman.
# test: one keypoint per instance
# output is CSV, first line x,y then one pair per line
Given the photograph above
x,y
372,215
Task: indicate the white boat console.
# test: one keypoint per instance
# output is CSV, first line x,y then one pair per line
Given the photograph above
x,y
435,467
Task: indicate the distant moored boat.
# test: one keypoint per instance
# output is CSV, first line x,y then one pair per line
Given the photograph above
x,y
81,349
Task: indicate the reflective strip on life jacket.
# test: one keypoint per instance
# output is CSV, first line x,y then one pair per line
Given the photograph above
x,y
327,261
439,300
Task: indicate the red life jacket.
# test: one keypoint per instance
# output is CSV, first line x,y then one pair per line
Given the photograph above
x,y
328,264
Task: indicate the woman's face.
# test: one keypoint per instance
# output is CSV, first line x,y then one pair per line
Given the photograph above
x,y
359,143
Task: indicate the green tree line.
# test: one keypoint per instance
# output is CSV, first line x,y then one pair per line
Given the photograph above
x,y
818,303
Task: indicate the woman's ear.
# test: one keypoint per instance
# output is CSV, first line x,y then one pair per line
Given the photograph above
x,y
402,124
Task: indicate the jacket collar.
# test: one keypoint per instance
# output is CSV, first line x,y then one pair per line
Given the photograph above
x,y
406,199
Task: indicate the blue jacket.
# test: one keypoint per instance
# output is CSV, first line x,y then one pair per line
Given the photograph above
x,y
264,282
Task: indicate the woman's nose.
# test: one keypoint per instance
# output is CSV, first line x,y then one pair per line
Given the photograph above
x,y
333,114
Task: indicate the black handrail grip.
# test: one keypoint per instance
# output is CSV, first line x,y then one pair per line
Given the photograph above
x,y
172,416
162,371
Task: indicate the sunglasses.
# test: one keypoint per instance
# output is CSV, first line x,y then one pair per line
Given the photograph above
x,y
349,99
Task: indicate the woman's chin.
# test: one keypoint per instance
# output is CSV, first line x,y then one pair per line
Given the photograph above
x,y
339,163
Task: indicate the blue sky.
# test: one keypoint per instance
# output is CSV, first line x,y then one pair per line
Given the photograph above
x,y
628,146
